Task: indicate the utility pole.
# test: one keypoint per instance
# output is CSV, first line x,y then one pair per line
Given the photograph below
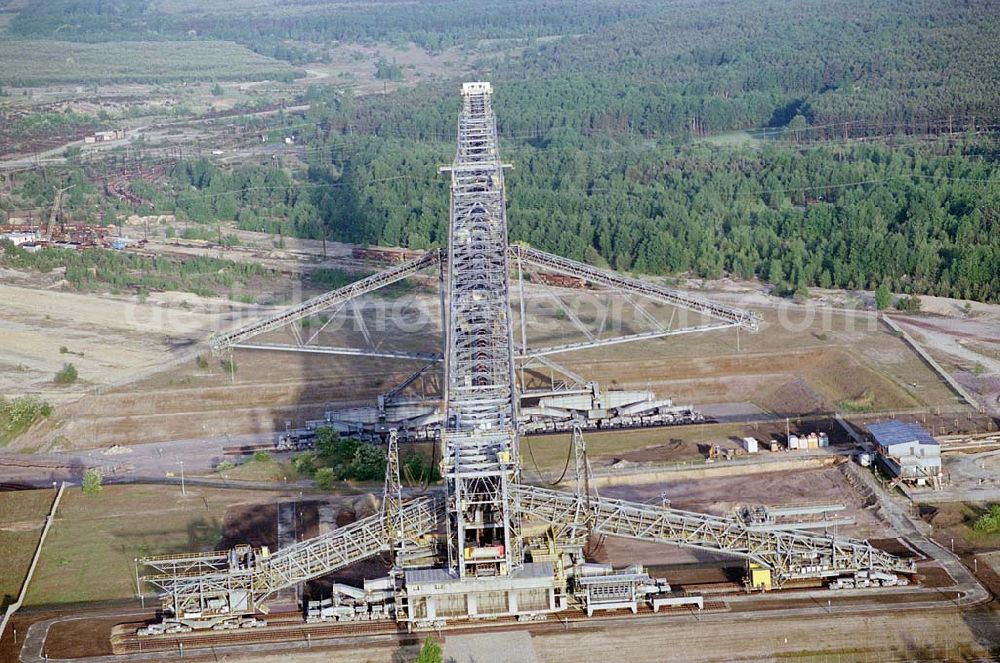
x,y
183,491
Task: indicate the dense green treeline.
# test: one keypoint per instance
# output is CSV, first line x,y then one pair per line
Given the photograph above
x,y
923,218
709,68
648,67
603,122
433,24
921,215
256,197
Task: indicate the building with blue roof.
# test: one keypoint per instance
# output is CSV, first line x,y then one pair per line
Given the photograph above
x,y
907,451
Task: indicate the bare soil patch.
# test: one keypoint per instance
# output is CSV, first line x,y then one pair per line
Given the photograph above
x,y
77,638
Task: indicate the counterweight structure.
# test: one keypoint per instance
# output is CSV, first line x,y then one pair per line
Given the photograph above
x,y
490,568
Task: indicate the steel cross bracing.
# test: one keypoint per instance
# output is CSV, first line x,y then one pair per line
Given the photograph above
x,y
479,443
192,582
328,300
724,316
789,554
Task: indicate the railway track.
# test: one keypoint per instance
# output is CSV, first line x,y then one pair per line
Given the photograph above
x,y
289,627
124,640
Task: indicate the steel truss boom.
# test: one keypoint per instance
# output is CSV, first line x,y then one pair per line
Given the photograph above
x,y
226,340
352,352
734,316
789,553
192,581
628,338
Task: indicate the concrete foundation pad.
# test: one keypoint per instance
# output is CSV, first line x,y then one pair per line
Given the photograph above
x,y
502,647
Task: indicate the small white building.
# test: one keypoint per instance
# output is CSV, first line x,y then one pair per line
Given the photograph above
x,y
19,238
105,136
750,444
907,451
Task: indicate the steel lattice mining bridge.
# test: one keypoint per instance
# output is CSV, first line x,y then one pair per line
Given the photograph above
x,y
463,554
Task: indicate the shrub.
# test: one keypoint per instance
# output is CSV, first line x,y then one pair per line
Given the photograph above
x,y
67,375
325,478
92,481
262,457
18,415
201,362
989,522
225,466
431,652
229,365
304,463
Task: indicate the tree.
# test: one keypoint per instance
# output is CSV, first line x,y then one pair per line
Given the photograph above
x,y
431,652
418,469
882,297
217,90
775,273
368,463
385,70
92,481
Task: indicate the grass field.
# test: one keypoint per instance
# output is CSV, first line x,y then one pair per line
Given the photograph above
x,y
22,514
44,62
256,470
89,551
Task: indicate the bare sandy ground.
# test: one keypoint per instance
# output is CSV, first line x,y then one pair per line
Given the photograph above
x,y
889,636
139,382
968,346
108,338
924,637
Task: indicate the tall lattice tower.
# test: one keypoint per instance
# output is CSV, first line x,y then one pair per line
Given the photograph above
x,y
479,441
488,574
